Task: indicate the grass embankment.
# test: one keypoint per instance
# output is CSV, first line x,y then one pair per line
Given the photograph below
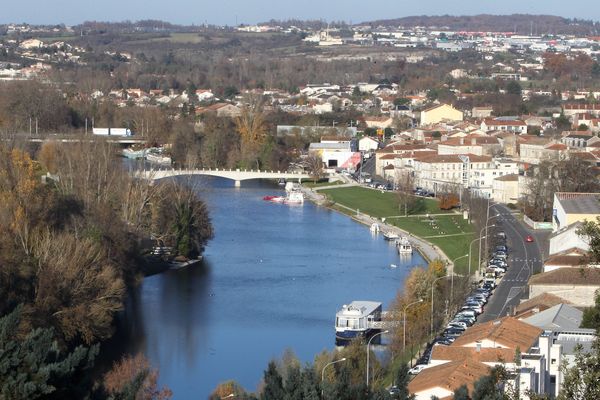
x,y
446,229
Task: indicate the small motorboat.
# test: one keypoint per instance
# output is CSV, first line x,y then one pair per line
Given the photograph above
x,y
404,246
374,228
391,236
393,266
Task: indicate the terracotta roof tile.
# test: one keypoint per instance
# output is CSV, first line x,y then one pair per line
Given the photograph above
x,y
449,376
567,276
507,331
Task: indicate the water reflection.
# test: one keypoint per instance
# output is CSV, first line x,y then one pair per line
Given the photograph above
x,y
272,279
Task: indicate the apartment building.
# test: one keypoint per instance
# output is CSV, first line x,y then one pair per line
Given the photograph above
x,y
451,171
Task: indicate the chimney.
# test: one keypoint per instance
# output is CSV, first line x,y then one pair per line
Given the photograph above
x,y
478,346
473,141
462,140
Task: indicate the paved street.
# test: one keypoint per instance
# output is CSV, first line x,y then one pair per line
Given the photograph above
x,y
524,260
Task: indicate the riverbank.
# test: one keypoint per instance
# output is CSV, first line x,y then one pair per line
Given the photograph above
x,y
429,251
436,234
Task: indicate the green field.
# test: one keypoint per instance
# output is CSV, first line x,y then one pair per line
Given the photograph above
x,y
375,203
446,229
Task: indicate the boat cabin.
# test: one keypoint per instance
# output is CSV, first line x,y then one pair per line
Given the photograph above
x,y
357,320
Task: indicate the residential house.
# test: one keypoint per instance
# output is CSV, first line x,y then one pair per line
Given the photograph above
x,y
577,285
497,343
471,144
442,380
481,112
567,238
505,189
578,108
504,124
569,208
382,122
579,139
533,150
571,258
368,144
439,113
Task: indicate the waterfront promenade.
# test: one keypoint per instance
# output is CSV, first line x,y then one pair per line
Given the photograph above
x,y
428,250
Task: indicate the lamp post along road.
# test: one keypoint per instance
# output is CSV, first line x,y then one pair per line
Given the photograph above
x,y
480,239
404,323
433,287
369,353
453,273
323,372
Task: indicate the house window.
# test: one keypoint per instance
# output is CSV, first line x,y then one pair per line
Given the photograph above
x,y
553,361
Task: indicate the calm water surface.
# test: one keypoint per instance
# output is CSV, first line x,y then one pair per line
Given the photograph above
x,y
273,278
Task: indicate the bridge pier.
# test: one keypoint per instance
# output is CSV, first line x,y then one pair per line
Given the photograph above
x,y
238,184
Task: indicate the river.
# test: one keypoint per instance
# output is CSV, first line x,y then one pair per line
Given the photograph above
x,y
272,278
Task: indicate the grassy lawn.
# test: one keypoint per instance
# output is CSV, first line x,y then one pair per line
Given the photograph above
x,y
376,203
450,231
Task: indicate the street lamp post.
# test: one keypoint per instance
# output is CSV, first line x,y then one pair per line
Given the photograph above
x,y
452,275
404,323
323,373
432,287
480,239
369,353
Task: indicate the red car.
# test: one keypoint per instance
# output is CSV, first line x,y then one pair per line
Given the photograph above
x,y
529,239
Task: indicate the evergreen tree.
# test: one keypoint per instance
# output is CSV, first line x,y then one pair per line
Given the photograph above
x,y
487,387
273,389
310,388
402,379
34,367
293,384
462,393
591,315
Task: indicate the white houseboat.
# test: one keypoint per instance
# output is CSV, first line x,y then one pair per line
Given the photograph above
x,y
357,319
404,246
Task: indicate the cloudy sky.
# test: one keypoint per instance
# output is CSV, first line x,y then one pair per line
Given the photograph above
x,y
227,12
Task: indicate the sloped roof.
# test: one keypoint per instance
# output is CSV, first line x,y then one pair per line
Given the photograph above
x,y
579,203
449,376
459,353
561,316
568,276
541,302
508,178
507,331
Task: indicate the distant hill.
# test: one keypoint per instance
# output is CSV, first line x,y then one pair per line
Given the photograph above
x,y
519,23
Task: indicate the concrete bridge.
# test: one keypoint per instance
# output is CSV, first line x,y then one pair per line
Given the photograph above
x,y
237,175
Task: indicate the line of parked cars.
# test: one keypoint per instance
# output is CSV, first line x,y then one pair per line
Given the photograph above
x,y
473,305
423,193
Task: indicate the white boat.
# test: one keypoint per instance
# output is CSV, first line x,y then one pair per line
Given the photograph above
x,y
374,227
133,154
158,159
358,319
404,246
393,266
391,236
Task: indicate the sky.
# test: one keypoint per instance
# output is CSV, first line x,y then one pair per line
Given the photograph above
x,y
228,12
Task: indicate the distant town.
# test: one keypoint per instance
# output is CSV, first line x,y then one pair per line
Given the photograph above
x,y
478,150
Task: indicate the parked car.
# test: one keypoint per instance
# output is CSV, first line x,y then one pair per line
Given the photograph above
x,y
416,369
478,308
502,248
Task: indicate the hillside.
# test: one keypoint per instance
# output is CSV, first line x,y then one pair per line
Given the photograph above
x,y
520,23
